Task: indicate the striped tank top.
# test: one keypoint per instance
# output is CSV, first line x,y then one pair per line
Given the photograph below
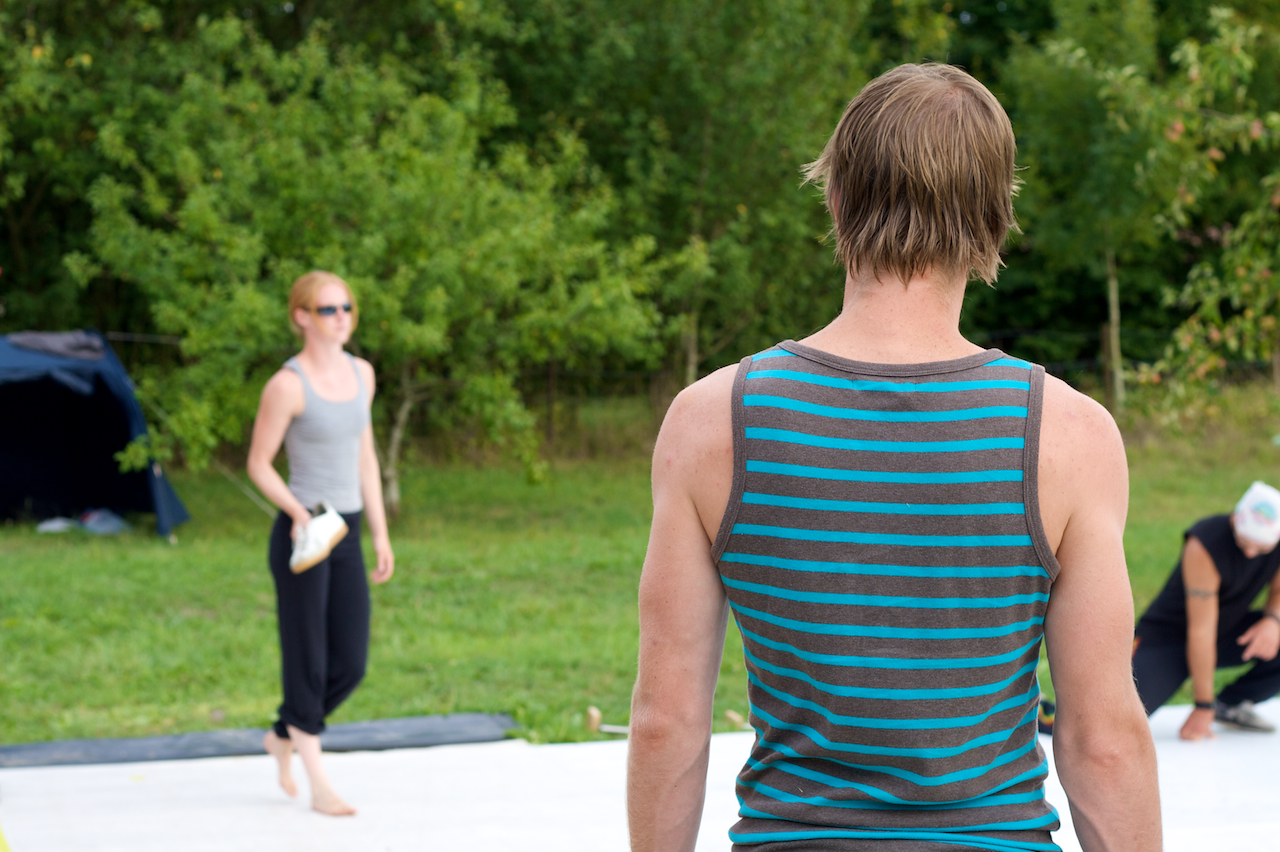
x,y
885,561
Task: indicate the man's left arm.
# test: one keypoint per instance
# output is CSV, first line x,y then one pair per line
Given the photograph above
x,y
1262,640
683,615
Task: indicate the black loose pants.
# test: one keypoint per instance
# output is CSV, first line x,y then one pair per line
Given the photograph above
x,y
1159,668
323,615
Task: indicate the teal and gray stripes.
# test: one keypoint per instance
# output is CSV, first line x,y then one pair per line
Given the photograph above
x,y
807,439
882,569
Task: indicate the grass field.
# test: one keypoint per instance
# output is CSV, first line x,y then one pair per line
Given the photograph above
x,y
508,597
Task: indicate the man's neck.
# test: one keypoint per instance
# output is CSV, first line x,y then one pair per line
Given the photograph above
x,y
883,322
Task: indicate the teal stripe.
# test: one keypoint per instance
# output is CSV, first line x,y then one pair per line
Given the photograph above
x,y
953,838
883,538
905,664
923,753
885,801
838,413
890,387
787,436
1009,362
864,805
859,568
903,601
911,724
772,353
889,694
903,774
888,632
1041,770
884,508
941,478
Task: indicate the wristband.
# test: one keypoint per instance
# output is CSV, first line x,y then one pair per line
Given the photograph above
x,y
1266,613
1204,705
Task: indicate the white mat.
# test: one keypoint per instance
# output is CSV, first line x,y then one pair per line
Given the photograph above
x,y
1217,795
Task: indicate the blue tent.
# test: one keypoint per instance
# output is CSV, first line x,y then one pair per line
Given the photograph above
x,y
66,407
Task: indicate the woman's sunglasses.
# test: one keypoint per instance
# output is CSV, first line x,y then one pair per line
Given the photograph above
x,y
330,310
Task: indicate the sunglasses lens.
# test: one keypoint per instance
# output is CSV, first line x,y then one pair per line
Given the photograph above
x,y
327,310
346,309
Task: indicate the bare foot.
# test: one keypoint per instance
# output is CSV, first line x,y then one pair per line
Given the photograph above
x,y
327,802
282,751
323,799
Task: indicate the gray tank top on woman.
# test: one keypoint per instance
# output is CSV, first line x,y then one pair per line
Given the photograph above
x,y
323,446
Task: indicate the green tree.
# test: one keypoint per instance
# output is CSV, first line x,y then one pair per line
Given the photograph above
x,y
1085,208
1211,120
701,115
231,168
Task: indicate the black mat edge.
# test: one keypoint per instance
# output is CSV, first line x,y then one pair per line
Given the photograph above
x,y
376,735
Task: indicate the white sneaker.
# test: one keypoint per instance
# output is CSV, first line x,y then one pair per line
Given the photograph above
x,y
1242,717
317,539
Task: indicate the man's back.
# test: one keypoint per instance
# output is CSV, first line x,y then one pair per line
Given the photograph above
x,y
890,577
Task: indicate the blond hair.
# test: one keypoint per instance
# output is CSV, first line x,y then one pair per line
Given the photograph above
x,y
919,175
303,295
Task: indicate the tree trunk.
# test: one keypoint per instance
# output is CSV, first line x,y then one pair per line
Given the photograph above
x,y
551,405
691,350
1104,347
1113,329
391,464
1275,368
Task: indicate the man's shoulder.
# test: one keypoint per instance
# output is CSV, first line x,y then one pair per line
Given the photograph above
x,y
1082,470
1072,421
702,413
697,431
693,456
1214,526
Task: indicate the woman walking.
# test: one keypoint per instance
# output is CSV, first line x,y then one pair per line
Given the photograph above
x,y
317,405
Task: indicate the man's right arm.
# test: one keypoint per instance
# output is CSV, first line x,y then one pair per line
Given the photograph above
x,y
683,615
1101,740
1201,579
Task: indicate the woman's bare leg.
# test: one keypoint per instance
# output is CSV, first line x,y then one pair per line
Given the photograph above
x,y
282,751
323,797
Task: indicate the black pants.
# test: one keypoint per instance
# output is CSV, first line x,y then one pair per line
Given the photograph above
x,y
324,627
1159,668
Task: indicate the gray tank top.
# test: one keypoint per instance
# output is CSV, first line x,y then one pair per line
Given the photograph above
x,y
323,446
888,569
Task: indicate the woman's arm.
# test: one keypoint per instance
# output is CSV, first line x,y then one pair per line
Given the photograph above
x,y
1201,579
282,400
371,490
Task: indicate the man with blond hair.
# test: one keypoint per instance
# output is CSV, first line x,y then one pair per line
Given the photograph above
x,y
897,518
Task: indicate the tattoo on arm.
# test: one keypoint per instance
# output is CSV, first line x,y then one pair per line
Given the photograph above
x,y
1201,593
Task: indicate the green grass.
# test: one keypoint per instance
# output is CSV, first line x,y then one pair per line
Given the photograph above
x,y
508,597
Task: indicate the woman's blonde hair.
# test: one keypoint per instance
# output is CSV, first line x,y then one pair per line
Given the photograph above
x,y
303,295
919,175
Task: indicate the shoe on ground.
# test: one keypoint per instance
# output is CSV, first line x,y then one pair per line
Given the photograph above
x,y
1242,717
317,539
1044,718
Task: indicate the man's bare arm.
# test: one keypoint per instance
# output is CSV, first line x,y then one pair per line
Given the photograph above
x,y
683,615
1101,740
1201,579
1262,640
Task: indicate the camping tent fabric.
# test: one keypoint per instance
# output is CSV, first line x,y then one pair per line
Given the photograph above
x,y
66,407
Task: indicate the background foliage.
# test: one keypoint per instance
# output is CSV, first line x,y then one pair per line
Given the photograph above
x,y
531,191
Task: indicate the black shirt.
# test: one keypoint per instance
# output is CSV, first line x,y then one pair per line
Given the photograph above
x,y
1242,580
